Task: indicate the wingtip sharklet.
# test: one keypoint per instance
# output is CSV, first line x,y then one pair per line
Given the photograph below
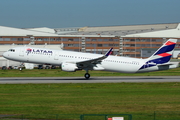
x,y
109,52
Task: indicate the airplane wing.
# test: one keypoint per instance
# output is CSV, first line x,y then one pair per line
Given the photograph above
x,y
89,63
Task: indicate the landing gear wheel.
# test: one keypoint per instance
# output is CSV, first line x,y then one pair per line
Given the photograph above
x,y
20,68
87,75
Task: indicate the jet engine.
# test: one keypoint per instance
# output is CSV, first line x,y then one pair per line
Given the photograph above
x,y
69,67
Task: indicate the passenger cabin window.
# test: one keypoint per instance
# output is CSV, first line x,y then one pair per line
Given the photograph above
x,y
12,50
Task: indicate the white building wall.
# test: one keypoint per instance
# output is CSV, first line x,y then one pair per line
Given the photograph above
x,y
7,63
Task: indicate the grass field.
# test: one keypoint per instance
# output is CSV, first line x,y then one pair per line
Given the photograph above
x,y
138,99
59,73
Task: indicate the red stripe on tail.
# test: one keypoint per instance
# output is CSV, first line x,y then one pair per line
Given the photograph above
x,y
164,54
170,43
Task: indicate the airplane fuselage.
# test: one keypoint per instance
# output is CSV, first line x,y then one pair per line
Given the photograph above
x,y
61,57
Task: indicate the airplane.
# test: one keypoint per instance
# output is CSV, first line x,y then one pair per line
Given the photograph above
x,y
71,61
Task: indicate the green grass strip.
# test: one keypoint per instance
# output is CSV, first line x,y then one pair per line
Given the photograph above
x,y
59,73
138,99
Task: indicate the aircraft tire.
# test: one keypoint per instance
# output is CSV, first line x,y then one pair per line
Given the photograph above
x,y
20,68
87,75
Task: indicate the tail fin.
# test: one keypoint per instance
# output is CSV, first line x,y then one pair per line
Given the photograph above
x,y
164,53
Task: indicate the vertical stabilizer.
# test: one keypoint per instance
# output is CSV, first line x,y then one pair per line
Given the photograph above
x,y
164,53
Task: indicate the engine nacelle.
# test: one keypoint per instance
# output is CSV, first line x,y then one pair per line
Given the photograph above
x,y
69,67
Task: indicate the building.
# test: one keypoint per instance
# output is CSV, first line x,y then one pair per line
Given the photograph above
x,y
126,40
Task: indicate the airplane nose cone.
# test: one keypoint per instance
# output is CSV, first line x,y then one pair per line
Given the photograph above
x,y
5,55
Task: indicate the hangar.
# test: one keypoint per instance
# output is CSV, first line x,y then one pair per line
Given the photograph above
x,y
126,40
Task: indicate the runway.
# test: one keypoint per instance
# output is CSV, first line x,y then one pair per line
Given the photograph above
x,y
133,79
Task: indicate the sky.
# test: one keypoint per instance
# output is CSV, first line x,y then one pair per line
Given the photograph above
x,y
81,13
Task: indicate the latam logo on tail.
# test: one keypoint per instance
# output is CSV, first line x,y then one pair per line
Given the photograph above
x,y
161,56
38,51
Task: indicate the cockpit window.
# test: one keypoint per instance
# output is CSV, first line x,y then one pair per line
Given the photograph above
x,y
12,50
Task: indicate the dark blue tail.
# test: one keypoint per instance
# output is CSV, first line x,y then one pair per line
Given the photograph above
x,y
162,55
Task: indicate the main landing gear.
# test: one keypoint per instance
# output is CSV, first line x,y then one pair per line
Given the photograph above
x,y
87,75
